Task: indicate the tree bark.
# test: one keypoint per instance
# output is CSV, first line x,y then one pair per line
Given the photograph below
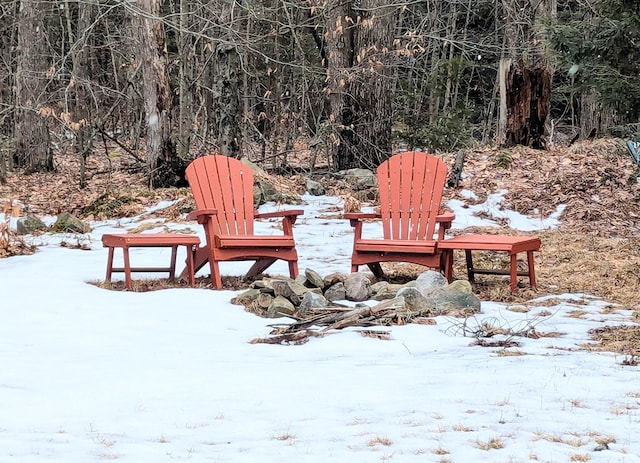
x,y
525,78
164,167
359,81
33,147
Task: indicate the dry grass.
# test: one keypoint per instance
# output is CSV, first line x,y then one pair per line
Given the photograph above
x,y
493,443
624,340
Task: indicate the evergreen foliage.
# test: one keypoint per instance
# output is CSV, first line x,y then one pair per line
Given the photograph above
x,y
598,45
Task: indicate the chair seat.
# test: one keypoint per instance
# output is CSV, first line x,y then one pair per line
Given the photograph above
x,y
409,246
254,241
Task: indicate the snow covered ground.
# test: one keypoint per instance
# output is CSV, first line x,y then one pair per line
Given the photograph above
x,y
88,374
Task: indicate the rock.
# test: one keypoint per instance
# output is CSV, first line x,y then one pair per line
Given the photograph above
x,y
267,192
336,292
415,302
315,188
311,300
430,281
361,179
289,289
357,287
333,278
264,300
247,297
30,224
314,279
280,307
456,296
67,223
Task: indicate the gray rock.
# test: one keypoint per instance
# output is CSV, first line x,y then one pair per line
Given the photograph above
x,y
357,287
67,223
333,278
361,179
336,292
247,297
314,278
456,296
280,307
264,300
430,281
289,289
315,188
415,302
29,225
311,300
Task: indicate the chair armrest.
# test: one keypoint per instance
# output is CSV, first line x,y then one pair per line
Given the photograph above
x,y
356,217
445,217
289,218
444,220
360,215
268,215
201,215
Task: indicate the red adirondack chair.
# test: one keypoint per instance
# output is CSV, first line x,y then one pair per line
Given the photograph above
x,y
223,191
410,191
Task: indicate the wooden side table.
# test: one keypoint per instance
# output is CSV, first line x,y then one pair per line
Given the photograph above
x,y
148,240
513,245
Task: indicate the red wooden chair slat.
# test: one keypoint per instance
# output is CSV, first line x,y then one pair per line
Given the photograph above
x,y
222,188
410,186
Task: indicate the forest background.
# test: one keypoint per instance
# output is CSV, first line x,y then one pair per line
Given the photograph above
x,y
351,80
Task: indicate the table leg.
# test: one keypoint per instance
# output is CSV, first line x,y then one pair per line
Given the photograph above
x,y
470,272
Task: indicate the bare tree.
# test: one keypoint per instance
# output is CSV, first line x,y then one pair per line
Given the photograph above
x,y
32,147
359,81
165,168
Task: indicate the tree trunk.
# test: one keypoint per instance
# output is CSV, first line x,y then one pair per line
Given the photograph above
x,y
33,147
186,73
527,99
373,84
594,115
79,121
360,81
227,85
525,78
164,167
339,58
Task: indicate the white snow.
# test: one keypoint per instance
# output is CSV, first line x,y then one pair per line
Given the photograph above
x,y
88,374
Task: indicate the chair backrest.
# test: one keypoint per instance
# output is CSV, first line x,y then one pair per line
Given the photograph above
x,y
225,184
410,190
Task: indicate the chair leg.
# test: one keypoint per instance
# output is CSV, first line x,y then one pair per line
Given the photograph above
x,y
216,278
514,272
470,272
127,268
532,272
109,265
376,269
191,251
447,264
293,269
172,265
259,266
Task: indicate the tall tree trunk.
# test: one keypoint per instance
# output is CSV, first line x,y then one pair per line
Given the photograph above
x,y
186,54
359,81
33,147
373,83
165,168
339,58
79,121
227,84
525,78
